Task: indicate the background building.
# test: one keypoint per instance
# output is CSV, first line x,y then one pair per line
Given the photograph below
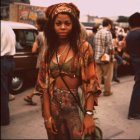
x,y
5,7
20,11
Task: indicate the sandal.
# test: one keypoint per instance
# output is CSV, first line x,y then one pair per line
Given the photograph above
x,y
38,93
29,100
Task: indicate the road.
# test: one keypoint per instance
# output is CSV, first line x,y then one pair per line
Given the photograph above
x,y
27,122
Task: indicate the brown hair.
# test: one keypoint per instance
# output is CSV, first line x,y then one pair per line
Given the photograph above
x,y
41,21
106,22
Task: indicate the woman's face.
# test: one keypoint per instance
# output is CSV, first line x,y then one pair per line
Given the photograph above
x,y
63,25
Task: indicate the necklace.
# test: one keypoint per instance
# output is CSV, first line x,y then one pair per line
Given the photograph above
x,y
60,54
65,56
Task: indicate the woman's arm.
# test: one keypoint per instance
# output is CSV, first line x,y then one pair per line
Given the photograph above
x,y
88,122
42,87
36,44
35,47
48,120
90,83
46,107
91,87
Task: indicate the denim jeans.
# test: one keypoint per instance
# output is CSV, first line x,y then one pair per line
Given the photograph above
x,y
7,69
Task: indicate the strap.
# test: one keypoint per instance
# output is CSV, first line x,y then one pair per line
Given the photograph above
x,y
77,101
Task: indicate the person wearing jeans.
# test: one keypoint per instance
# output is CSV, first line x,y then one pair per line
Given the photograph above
x,y
8,43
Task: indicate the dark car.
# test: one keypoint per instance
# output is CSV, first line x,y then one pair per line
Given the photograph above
x,y
25,69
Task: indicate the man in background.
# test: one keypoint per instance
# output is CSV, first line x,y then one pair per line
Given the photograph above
x,y
8,43
103,44
133,46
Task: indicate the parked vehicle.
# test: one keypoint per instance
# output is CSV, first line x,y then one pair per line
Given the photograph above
x,y
25,69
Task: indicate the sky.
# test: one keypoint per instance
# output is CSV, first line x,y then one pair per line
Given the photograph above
x,y
100,8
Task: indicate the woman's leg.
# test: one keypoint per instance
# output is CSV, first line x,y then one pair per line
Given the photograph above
x,y
66,115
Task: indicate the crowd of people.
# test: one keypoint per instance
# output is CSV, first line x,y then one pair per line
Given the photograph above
x,y
70,59
125,44
121,56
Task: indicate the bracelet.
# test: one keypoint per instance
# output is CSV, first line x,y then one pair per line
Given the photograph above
x,y
48,120
89,112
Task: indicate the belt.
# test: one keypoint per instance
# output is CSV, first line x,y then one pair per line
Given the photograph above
x,y
64,90
7,57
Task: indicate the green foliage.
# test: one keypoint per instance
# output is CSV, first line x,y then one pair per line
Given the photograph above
x,y
122,19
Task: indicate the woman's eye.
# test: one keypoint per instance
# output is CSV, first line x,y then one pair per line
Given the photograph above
x,y
68,23
58,23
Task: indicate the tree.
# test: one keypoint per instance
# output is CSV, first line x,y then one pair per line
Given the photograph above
x,y
122,19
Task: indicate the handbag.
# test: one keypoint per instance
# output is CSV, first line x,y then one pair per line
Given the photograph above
x,y
97,135
105,58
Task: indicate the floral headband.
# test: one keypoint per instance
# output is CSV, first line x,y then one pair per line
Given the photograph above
x,y
62,8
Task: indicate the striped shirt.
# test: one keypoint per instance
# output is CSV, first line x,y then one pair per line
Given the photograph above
x,y
103,43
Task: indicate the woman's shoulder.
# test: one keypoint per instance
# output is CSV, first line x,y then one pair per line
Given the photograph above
x,y
85,46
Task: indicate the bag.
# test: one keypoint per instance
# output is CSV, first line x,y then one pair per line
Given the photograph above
x,y
97,135
105,58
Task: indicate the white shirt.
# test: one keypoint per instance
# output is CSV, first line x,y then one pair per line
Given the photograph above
x,y
8,40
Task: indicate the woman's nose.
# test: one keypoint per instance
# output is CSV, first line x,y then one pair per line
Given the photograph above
x,y
62,26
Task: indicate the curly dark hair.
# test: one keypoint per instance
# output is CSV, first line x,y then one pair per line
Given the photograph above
x,y
53,39
134,20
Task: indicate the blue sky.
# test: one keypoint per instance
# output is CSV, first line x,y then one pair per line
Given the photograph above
x,y
99,8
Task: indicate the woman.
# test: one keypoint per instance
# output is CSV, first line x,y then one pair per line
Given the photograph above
x,y
38,47
68,58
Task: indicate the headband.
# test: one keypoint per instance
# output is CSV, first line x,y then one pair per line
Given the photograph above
x,y
56,9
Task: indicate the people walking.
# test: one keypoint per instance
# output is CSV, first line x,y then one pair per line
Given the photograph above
x,y
8,42
103,44
38,47
133,46
68,64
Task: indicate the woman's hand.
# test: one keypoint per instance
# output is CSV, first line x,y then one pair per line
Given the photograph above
x,y
88,125
50,125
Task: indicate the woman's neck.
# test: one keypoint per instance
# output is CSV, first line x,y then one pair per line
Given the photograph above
x,y
63,41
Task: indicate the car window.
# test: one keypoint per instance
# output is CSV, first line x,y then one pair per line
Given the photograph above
x,y
24,39
29,36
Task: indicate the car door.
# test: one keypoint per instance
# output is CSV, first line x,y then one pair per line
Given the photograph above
x,y
25,60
